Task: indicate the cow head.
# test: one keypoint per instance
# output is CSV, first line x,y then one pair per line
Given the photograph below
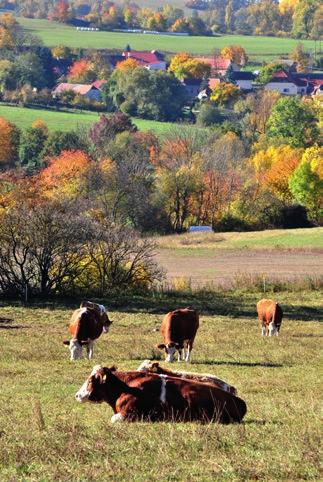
x,y
75,347
93,389
170,350
106,322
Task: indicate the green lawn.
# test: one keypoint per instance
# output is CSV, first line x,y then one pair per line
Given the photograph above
x,y
53,33
45,435
65,121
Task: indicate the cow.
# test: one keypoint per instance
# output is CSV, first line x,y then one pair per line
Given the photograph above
x,y
178,330
270,317
136,396
154,367
86,325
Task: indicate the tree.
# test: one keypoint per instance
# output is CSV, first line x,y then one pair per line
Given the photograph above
x,y
184,66
229,17
306,185
65,174
268,71
127,64
9,143
61,52
224,92
236,54
32,142
303,17
61,12
59,141
41,249
28,69
209,115
301,57
82,71
293,122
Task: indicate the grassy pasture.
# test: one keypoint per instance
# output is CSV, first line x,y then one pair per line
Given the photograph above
x,y
46,435
66,121
259,48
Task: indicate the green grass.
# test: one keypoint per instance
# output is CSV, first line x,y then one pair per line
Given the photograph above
x,y
66,121
46,435
269,239
53,33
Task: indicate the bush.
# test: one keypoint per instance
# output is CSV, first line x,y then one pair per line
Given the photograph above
x,y
208,115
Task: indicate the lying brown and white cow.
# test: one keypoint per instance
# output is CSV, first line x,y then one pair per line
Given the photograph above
x,y
86,325
178,330
154,367
270,317
149,396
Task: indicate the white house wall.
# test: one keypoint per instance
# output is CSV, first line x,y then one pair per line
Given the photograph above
x,y
285,88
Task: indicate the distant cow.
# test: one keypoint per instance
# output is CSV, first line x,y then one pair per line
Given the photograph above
x,y
149,396
154,367
86,325
270,317
178,330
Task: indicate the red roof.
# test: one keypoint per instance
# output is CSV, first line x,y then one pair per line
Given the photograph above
x,y
216,63
283,76
143,58
99,83
213,82
81,89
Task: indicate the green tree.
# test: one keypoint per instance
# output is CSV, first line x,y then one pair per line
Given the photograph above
x,y
301,57
303,18
307,188
293,122
268,70
59,141
32,142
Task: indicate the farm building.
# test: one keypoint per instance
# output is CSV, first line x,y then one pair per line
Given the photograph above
x,y
219,65
243,79
89,91
149,60
287,84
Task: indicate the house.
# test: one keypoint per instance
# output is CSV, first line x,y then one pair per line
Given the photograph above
x,y
212,83
287,84
243,79
153,60
89,91
192,87
314,81
219,65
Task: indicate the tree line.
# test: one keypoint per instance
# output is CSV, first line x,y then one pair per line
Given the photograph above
x,y
297,18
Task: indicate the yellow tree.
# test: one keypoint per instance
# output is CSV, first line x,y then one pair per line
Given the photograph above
x,y
9,140
236,54
128,64
183,65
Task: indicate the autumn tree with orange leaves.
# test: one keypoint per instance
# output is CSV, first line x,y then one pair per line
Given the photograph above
x,y
9,143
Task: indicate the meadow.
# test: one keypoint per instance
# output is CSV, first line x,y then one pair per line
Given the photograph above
x,y
46,435
65,121
258,48
272,257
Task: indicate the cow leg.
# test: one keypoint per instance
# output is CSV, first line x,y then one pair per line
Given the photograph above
x,y
89,349
188,353
180,354
117,417
272,328
263,330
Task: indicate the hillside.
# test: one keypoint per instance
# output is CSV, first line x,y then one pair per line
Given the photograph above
x,y
258,48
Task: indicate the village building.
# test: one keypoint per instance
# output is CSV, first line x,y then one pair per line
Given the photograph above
x,y
89,91
153,60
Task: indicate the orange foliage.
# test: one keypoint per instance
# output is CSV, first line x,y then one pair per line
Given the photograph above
x,y
79,69
41,125
8,146
65,173
128,64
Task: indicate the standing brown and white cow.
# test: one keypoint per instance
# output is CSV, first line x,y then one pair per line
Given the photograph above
x,y
148,396
86,325
178,330
270,317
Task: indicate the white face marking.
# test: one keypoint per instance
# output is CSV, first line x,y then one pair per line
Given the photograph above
x,y
83,310
170,353
162,396
75,349
117,417
102,309
82,395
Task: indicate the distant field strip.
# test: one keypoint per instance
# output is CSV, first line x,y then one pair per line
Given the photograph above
x,y
240,258
66,121
53,33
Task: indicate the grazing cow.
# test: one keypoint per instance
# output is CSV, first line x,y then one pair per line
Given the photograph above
x,y
86,325
154,367
149,396
270,317
178,330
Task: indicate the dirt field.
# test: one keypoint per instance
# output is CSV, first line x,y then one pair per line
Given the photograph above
x,y
221,268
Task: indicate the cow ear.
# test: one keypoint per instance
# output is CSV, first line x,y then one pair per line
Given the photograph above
x,y
161,346
113,368
66,342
